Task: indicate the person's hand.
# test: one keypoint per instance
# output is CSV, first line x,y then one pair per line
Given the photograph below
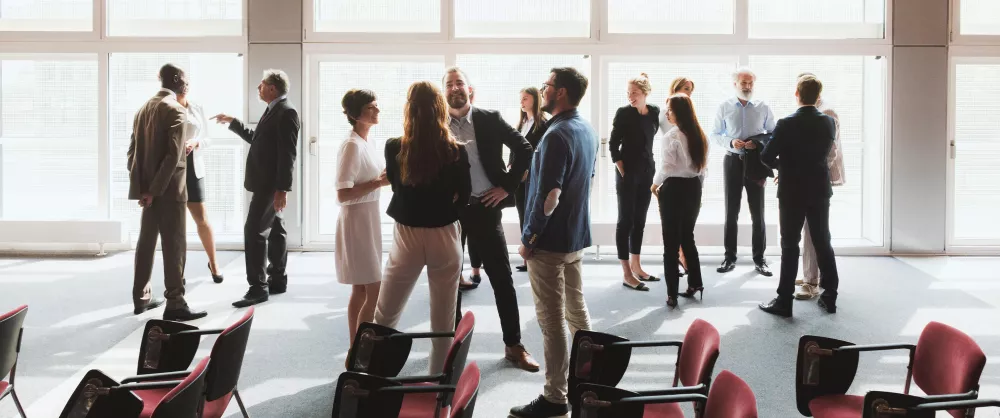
x,y
494,196
775,179
524,177
145,200
525,253
738,144
621,167
222,118
748,144
280,200
188,147
383,179
655,189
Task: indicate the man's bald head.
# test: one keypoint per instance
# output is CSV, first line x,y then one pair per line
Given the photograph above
x,y
173,78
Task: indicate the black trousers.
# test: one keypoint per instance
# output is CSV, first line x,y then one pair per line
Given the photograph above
x,y
482,224
264,233
732,170
520,200
793,212
633,205
474,258
680,204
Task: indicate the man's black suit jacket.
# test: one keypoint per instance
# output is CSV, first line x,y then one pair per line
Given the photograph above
x,y
492,134
272,149
799,147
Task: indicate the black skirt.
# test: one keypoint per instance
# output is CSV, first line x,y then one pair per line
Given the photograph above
x,y
195,185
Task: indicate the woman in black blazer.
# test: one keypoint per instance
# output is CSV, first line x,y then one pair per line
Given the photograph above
x,y
532,126
632,133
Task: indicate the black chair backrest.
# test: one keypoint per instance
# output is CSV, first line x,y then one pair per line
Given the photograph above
x,y
606,394
86,402
603,367
357,396
161,351
374,353
820,372
186,399
227,358
11,324
898,402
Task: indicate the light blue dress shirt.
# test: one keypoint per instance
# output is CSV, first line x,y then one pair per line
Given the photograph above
x,y
734,120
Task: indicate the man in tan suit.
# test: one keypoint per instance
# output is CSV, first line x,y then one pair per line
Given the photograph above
x,y
157,179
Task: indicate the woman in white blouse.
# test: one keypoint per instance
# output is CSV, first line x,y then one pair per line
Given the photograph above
x,y
196,140
679,85
360,175
677,187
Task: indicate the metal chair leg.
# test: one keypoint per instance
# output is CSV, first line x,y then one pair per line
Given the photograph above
x,y
17,403
239,401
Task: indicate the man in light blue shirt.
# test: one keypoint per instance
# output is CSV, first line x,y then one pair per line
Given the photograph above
x,y
741,125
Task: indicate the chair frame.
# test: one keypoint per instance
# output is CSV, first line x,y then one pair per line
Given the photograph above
x,y
17,315
600,401
366,395
897,405
98,395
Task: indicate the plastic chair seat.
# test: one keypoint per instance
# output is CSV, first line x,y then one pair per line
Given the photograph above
x,y
217,408
150,399
3,387
420,405
837,406
663,410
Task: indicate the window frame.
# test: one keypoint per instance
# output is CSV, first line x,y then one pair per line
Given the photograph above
x,y
955,31
97,22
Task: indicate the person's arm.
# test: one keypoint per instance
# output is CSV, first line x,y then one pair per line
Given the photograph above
x,y
244,132
463,180
287,141
668,155
553,153
520,154
130,155
391,164
202,141
348,167
769,156
769,124
174,152
719,134
617,134
835,152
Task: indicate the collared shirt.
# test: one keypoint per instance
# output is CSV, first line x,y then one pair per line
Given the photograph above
x,y
275,101
734,120
526,128
465,132
675,159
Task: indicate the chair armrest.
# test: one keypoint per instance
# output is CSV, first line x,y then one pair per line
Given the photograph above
x,y
435,378
970,395
943,406
645,344
421,335
148,385
200,332
643,400
876,347
681,390
418,389
157,376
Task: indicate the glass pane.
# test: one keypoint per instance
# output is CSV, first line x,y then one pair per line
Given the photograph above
x,y
713,85
390,80
498,80
48,138
411,16
217,84
175,18
849,86
977,175
670,16
47,15
522,19
817,19
980,17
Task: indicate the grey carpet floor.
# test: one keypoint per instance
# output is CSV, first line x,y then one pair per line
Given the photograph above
x,y
80,318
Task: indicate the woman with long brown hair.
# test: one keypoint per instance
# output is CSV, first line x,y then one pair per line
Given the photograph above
x,y
678,85
532,126
429,174
678,187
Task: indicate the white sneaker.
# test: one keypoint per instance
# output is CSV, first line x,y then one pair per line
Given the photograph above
x,y
807,291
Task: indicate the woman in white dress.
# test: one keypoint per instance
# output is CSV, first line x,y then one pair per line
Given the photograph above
x,y
360,175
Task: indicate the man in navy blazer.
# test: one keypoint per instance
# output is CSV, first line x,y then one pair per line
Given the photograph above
x,y
799,149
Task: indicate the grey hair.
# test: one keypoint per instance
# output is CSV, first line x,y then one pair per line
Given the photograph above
x,y
460,72
278,79
743,70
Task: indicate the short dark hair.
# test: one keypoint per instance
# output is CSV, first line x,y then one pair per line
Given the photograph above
x,y
170,77
354,102
809,89
573,81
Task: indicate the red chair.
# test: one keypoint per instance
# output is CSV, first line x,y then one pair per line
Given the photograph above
x,y
11,331
945,363
382,351
602,359
98,396
897,405
730,397
361,395
168,348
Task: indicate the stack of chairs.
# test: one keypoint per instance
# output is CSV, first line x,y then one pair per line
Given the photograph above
x,y
11,332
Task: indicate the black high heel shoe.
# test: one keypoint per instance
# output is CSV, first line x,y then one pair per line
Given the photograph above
x,y
215,277
672,301
689,293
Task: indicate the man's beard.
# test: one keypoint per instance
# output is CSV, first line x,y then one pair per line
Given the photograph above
x,y
548,105
457,100
744,95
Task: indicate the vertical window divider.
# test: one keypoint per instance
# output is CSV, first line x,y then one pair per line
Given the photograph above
x,y
598,20
741,21
448,20
104,156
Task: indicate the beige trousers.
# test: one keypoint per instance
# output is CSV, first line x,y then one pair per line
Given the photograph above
x,y
440,249
810,268
557,284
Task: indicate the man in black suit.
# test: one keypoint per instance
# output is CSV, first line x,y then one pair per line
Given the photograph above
x,y
269,177
485,133
799,149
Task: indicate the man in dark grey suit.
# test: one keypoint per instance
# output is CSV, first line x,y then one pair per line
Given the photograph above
x,y
157,170
269,177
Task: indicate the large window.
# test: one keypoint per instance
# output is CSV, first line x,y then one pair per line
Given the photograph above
x,y
410,16
48,137
522,18
175,18
817,19
670,16
47,15
979,17
976,188
217,84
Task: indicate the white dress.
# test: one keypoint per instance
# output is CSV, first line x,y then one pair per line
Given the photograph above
x,y
359,227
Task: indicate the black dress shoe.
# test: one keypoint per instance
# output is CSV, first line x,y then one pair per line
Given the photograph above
x,y
828,304
277,286
777,306
540,408
477,279
253,296
183,314
522,268
215,277
152,304
463,285
726,266
763,269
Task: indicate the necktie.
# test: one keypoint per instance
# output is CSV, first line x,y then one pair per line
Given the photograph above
x,y
264,115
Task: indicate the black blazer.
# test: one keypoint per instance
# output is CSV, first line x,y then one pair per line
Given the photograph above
x,y
430,205
799,147
272,149
492,134
632,140
536,133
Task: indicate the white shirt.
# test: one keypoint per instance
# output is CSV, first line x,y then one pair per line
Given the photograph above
x,y
528,124
734,120
675,160
196,131
465,131
358,162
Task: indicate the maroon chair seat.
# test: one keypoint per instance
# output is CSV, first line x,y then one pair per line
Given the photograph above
x,y
837,406
730,397
663,410
11,332
362,395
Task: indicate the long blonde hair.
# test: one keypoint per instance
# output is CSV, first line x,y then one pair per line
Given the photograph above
x,y
427,145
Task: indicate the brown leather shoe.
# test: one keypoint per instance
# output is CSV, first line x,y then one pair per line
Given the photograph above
x,y
518,355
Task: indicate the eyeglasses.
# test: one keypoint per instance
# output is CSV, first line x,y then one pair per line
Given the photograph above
x,y
545,85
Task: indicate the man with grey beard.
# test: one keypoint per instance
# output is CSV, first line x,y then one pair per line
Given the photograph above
x,y
738,121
